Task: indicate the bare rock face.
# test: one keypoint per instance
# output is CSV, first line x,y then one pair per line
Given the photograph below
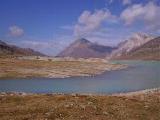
x,y
132,43
7,49
149,51
83,48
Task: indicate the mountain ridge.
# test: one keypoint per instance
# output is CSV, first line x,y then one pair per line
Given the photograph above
x,y
128,49
125,47
7,49
83,48
148,51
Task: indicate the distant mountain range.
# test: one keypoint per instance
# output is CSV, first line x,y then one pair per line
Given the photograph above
x,y
139,46
149,51
129,48
133,42
7,49
83,48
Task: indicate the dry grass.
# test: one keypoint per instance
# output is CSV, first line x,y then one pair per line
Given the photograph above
x,y
80,107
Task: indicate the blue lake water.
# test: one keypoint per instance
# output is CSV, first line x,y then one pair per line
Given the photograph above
x,y
138,76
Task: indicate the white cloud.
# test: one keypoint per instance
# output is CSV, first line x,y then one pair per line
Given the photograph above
x,y
37,44
149,14
89,22
110,36
16,31
126,2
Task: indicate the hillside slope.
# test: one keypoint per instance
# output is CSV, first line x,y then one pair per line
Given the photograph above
x,y
149,51
126,47
83,48
6,49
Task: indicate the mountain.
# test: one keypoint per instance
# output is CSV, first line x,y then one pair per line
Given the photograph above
x,y
83,48
125,47
6,49
150,51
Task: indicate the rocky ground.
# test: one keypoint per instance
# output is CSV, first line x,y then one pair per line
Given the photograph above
x,y
130,106
53,68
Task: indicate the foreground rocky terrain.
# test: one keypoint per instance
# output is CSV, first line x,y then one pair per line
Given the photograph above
x,y
53,68
143,105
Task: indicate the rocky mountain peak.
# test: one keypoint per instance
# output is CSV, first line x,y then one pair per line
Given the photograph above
x,y
83,48
2,43
133,42
82,40
139,38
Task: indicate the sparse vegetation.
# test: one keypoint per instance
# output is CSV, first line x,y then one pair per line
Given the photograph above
x,y
79,107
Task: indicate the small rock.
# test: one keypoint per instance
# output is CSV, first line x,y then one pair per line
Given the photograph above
x,y
67,106
95,107
83,106
146,106
47,113
105,113
89,103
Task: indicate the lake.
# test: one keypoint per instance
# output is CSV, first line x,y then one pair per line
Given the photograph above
x,y
138,76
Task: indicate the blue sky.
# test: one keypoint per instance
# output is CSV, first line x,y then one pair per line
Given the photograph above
x,y
50,25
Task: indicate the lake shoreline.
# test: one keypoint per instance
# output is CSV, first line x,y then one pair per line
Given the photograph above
x,y
134,93
54,68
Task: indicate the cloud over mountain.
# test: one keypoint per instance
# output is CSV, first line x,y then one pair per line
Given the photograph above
x,y
89,22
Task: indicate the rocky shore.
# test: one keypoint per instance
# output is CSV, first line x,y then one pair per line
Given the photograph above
x,y
141,92
24,67
135,93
